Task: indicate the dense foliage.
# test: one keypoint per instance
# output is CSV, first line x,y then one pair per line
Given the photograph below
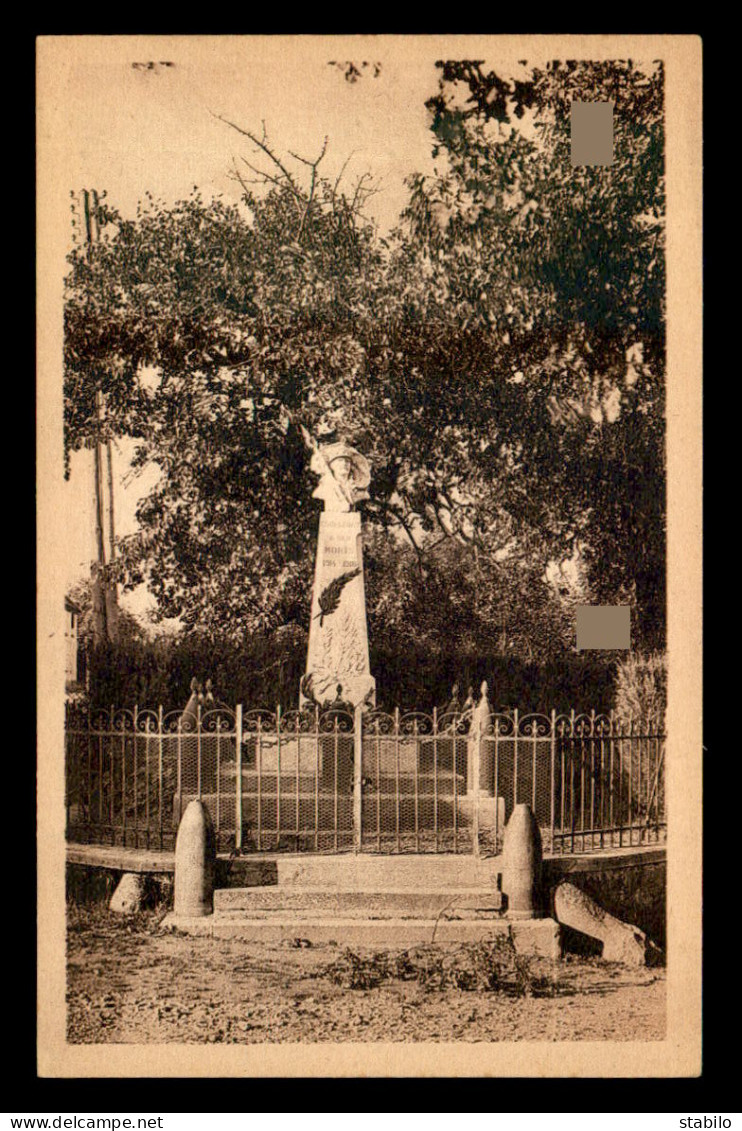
x,y
641,691
265,672
499,359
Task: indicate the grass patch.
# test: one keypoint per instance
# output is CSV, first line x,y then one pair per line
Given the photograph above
x,y
491,966
95,921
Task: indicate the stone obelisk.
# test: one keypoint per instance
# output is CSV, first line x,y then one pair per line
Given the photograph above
x,y
337,655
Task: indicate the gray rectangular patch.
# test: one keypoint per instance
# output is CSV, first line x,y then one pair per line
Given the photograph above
x,y
603,626
592,133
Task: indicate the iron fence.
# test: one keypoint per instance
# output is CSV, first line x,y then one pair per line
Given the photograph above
x,y
373,782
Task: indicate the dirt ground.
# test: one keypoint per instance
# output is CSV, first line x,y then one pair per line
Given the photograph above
x,y
129,982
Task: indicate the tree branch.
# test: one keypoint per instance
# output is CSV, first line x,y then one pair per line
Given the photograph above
x,y
340,175
263,145
313,165
306,161
405,526
266,177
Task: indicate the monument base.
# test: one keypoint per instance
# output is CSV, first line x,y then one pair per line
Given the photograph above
x,y
358,689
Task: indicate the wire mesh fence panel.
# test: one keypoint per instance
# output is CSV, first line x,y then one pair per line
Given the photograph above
x,y
387,783
413,777
207,754
516,766
297,781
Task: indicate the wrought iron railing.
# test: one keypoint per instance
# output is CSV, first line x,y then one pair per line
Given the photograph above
x,y
373,782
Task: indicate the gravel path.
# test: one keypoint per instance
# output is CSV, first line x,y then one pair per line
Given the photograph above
x,y
130,983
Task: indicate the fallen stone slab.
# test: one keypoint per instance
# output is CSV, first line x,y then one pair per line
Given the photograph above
x,y
128,896
622,942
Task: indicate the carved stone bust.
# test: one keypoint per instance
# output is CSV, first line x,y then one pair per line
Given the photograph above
x,y
344,476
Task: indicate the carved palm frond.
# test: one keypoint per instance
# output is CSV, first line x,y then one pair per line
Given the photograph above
x,y
329,598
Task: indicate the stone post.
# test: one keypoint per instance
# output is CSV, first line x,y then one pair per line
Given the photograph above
x,y
480,761
521,865
195,860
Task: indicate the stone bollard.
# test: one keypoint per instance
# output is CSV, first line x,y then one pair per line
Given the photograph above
x,y
521,865
195,860
622,942
127,898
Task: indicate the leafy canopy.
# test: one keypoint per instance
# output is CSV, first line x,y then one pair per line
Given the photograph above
x,y
499,359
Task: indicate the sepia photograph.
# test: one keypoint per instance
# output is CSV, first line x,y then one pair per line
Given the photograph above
x,y
369,555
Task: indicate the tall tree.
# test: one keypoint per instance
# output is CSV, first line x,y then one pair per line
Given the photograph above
x,y
499,358
559,274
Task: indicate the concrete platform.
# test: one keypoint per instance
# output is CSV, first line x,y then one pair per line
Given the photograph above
x,y
265,867
119,859
533,937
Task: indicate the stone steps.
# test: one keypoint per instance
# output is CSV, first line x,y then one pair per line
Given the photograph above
x,y
306,901
536,937
361,900
365,872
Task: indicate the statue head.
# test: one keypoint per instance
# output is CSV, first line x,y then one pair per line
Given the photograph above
x,y
344,476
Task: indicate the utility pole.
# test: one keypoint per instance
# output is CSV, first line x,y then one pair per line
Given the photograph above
x,y
100,602
104,591
111,587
